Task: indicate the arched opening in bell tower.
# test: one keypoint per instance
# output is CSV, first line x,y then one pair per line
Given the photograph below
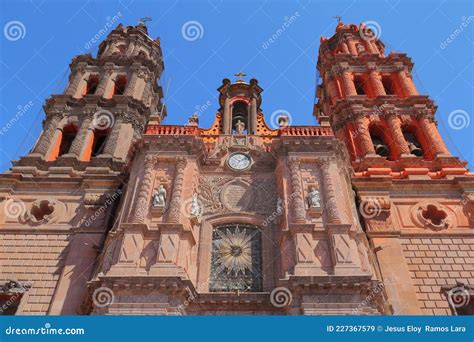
x,y
240,118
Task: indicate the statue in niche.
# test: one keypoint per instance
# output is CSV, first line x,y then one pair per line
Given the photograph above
x,y
314,198
239,127
159,197
195,208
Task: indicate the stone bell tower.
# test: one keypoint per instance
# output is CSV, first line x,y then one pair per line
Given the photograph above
x,y
58,202
415,199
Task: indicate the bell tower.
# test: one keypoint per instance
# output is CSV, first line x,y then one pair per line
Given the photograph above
x,y
402,169
240,103
109,99
59,201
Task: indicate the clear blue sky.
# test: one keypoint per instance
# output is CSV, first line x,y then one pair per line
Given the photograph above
x,y
34,64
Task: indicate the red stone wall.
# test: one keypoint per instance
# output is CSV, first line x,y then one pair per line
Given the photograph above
x,y
437,262
36,259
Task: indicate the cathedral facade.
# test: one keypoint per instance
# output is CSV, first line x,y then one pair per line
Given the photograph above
x,y
113,212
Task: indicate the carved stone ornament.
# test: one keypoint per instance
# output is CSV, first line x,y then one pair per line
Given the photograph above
x,y
43,211
433,215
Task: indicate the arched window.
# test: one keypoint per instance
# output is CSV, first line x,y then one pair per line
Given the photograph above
x,y
120,84
98,145
413,143
240,116
236,261
68,135
92,84
380,146
359,85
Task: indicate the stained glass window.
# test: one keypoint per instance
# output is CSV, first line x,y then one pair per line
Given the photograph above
x,y
236,258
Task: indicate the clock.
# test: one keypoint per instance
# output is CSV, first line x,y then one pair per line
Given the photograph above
x,y
239,161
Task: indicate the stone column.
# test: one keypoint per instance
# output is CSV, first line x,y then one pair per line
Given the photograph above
x,y
348,83
298,202
113,138
80,140
393,122
333,92
226,120
143,201
363,136
406,82
49,130
332,212
351,44
104,81
79,72
376,81
175,204
130,48
253,116
431,134
131,86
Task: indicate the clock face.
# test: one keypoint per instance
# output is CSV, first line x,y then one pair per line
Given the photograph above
x,y
239,161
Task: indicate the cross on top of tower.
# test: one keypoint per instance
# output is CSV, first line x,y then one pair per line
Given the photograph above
x,y
338,18
142,21
240,77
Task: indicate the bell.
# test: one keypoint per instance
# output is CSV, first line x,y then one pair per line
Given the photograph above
x,y
416,150
382,150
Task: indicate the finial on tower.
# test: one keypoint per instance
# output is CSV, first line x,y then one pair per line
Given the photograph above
x,y
338,18
143,21
240,77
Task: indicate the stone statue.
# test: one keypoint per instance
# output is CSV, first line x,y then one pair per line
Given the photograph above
x,y
195,208
159,197
239,127
314,199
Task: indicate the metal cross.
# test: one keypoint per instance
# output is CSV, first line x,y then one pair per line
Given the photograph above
x,y
240,75
142,21
338,18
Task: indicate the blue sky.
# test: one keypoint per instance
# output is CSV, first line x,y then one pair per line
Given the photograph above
x,y
34,64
